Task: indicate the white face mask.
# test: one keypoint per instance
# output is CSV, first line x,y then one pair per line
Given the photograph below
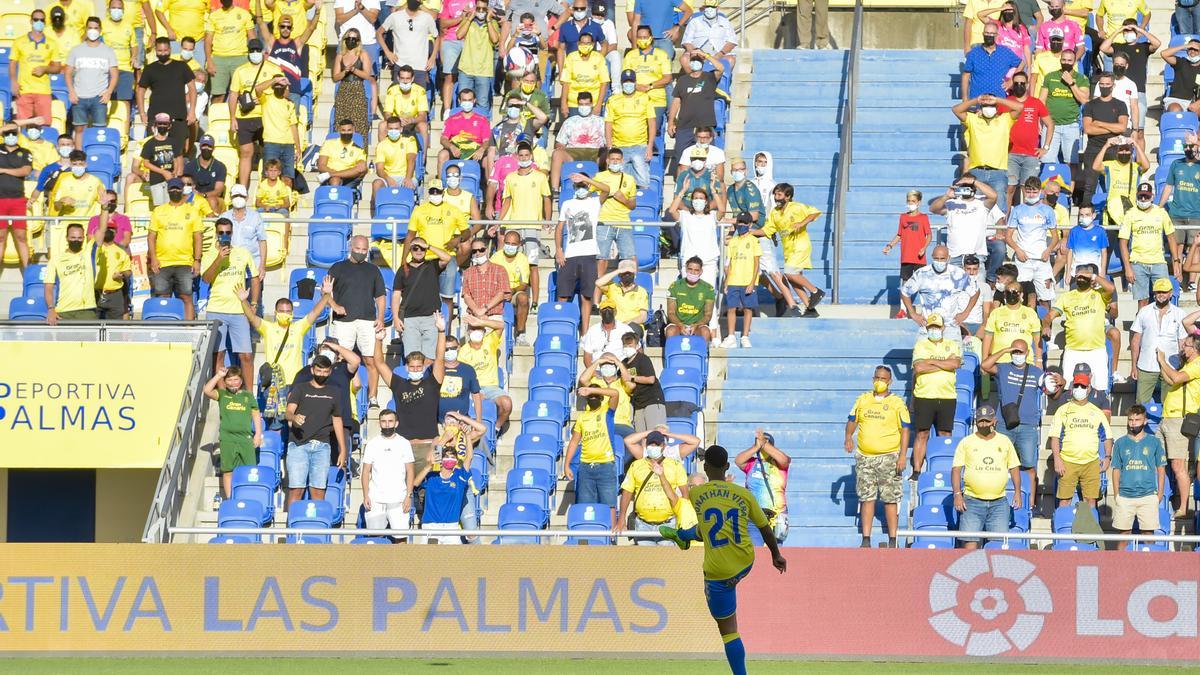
x,y
628,87
405,86
654,452
939,266
186,54
935,334
329,354
238,202
116,14
511,249
77,171
1051,386
1018,360
64,151
759,170
33,133
451,354
628,352
199,87
1031,200
452,182
582,193
1144,204
256,57
93,35
913,208
475,336
435,199
608,370
1079,393
699,204
479,259
710,13
988,111
394,134
585,110
188,189
697,165
739,176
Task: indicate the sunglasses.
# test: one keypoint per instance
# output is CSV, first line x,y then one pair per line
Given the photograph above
x,y
479,250
417,249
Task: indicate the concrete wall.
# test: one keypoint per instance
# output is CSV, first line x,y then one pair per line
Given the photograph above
x,y
882,29
122,502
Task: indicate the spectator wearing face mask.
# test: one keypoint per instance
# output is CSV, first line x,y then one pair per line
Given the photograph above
x,y
1103,118
877,432
209,172
483,351
416,386
653,485
1111,14
1026,148
281,126
225,269
1019,382
935,360
512,128
913,235
446,484
698,232
462,433
1083,311
1011,33
241,429
604,337
1139,476
692,106
174,248
579,138
480,34
649,406
766,469
934,290
315,413
1126,91
653,67
1064,92
522,281
984,465
1032,236
739,284
714,157
583,70
577,253
118,223
987,132
42,153
691,302
460,393
1010,321
412,32
161,160
344,383
971,209
249,231
90,72
1159,327
618,196
987,65
710,32
627,297
1087,244
1141,241
1181,399
1127,41
467,133
76,193
73,274
1181,94
1181,194
227,33
463,200
442,227
1121,175
407,101
415,297
1067,29
591,436
388,477
485,286
1081,442
630,126
340,160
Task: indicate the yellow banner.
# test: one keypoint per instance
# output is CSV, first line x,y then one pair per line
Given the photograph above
x,y
353,599
83,405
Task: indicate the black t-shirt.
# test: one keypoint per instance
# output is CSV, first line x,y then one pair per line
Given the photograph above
x,y
1103,111
12,187
161,153
206,179
416,405
643,394
696,96
168,83
319,406
339,379
356,287
1138,55
1184,84
418,288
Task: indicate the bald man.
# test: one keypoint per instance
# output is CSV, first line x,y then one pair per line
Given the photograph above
x,y
943,289
358,304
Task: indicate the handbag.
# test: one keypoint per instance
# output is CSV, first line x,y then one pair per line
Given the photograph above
x,y
246,99
266,372
1011,412
1190,426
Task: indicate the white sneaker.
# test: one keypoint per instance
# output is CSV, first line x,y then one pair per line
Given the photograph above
x,y
729,342
1118,378
523,340
746,342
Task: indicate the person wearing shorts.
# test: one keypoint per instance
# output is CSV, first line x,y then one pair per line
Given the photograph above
x,y
935,361
174,245
1182,398
314,412
454,13
31,51
740,284
576,249
880,420
387,476
358,304
1139,474
1081,442
241,425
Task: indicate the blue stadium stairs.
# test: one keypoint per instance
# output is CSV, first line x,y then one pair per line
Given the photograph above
x,y
798,382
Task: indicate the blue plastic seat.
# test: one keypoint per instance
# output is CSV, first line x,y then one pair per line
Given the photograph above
x,y
364,539
543,418
240,513
520,516
589,518
939,464
1064,518
645,247
470,176
686,351
568,168
27,309
337,493
933,542
162,309
941,446
1174,121
391,218
310,513
257,484
33,281
558,318
934,487
530,486
1052,169
683,384
306,277
328,243
553,384
235,539
1069,545
932,517
104,168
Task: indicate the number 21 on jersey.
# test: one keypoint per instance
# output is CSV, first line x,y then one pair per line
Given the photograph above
x,y
715,520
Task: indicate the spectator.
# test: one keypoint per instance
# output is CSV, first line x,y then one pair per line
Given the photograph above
x,y
485,285
1024,155
442,227
790,220
968,219
1081,441
64,37
353,70
460,393
627,297
570,33
1012,33
407,101
482,351
477,62
466,134
630,127
463,200
161,160
536,104
652,66
1064,97
812,23
44,153
649,406
16,163
341,161
416,387
1032,236
173,248
697,177
512,128
281,126
604,337
664,23
249,232
579,138
1156,328
1181,194
766,469
983,465
1111,14
288,52
914,236
90,71
123,33
1125,91
343,381
1083,310
1121,176
987,66
714,157
209,172
76,193
273,194
227,35
171,85
743,194
653,484
1140,238
987,134
1181,399
880,420
526,198
691,302
531,33
1139,475
1009,321
1137,54
592,435
1086,244
78,271
1067,30
35,56
112,297
1019,382
521,277
576,253
711,32
203,211
1103,118
415,300
583,71
412,31
936,289
241,429
935,361
677,446
226,268
1180,94
202,104
358,303
618,197
462,433
187,50
740,284
387,475
693,104
698,229
314,412
445,494
453,14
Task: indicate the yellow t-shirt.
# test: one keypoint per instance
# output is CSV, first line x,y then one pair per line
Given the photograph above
x,y
797,247
121,37
1122,180
1044,63
879,423
650,68
85,190
437,225
526,193
652,504
1006,325
1083,318
485,358
231,278
77,14
628,304
628,114
406,105
971,13
187,17
1087,5
987,140
1145,231
291,353
584,75
274,196
246,78
463,201
340,156
1080,430
29,55
741,255
938,384
116,259
76,277
229,28
174,227
517,268
624,412
595,435
279,118
986,464
1173,402
393,155
42,152
613,211
1114,13
726,512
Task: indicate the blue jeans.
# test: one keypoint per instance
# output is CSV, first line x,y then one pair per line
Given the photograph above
x,y
1064,144
1188,19
308,464
1025,438
89,112
482,86
984,515
596,484
607,235
285,153
997,179
1144,276
636,164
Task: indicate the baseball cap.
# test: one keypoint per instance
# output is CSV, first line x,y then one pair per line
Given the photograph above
x,y
627,75
1163,285
985,412
600,8
162,117
207,141
254,45
1145,189
1082,378
655,438
1056,33
175,183
627,267
238,189
935,320
435,185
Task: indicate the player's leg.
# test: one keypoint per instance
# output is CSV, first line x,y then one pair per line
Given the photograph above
x,y
682,538
722,604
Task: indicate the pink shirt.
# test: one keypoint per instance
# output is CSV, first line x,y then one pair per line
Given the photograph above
x,y
450,9
462,128
1072,34
119,223
1016,40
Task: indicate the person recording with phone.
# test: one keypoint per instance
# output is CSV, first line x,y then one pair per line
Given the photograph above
x,y
225,269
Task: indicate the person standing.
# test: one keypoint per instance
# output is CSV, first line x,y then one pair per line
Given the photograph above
x,y
241,431
1141,241
173,89
1020,383
343,381
766,469
74,269
91,78
227,34
314,411
35,56
1183,398
1083,309
358,305
935,361
249,231
247,85
1032,235
1139,476
740,284
1081,442
987,131
16,163
415,302
983,465
387,477
416,387
1009,322
446,484
1104,116
460,392
592,436
940,288
1156,328
654,485
576,251
649,405
174,248
914,236
790,220
1181,193
812,23
880,420
226,268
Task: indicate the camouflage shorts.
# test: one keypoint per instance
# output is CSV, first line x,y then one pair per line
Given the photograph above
x,y
875,478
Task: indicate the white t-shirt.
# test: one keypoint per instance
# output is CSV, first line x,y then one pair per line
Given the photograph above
x,y
967,223
714,158
596,341
1124,90
580,217
411,36
699,233
1158,335
366,30
388,458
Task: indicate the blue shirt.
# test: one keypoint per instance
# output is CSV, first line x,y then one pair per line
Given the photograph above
x,y
1008,378
445,497
659,15
457,387
248,231
747,198
48,175
1088,240
569,34
1138,462
988,70
1184,179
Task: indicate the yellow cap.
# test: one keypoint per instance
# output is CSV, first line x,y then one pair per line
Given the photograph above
x,y
1163,286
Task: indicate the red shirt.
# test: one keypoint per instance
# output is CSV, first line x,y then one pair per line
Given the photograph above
x,y
914,232
1023,137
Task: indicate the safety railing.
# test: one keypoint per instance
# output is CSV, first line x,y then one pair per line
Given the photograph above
x,y
846,148
1005,537
346,533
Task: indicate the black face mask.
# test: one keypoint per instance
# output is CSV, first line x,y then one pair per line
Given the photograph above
x,y
1019,89
413,5
989,40
1055,13
112,207
1082,283
1124,157
1105,92
1119,71
388,432
351,43
1056,47
110,235
1052,199
1007,16
606,315
594,402
985,430
320,379
626,279
1134,431
163,129
279,91
175,195
163,58
1189,153
206,154
1068,67
226,4
346,138
76,246
1012,297
58,22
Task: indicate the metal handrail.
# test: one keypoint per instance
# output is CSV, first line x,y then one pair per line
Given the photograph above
x,y
1049,536
411,532
845,150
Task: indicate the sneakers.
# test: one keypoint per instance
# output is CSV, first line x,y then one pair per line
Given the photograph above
x,y
523,340
816,298
1118,378
746,342
810,313
795,311
374,404
672,534
730,342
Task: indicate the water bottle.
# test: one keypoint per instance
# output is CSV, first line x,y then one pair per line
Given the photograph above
x,y
527,479
542,410
310,510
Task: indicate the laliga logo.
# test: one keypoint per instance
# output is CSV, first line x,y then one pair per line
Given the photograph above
x,y
989,603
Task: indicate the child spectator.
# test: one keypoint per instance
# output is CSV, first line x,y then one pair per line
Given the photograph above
x,y
1087,243
273,194
740,289
241,428
913,235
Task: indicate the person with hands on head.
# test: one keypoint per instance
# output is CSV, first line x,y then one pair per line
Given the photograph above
x,y
447,483
415,300
241,430
692,105
78,269
675,446
608,371
460,392
877,431
987,130
314,411
653,484
983,465
766,469
591,436
283,337
416,386
482,350
461,433
1032,236
1083,309
1182,399
1081,442
627,297
388,477
1121,174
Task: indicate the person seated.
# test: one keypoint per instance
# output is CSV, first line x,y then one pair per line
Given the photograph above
x,y
520,276
691,302
395,160
604,337
209,173
406,100
629,299
340,161
273,194
579,139
466,134
482,350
